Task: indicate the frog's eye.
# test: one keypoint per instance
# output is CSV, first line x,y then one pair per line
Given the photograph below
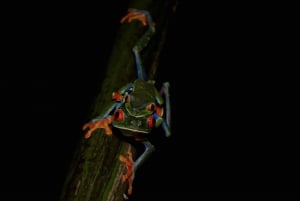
x,y
151,107
119,115
151,121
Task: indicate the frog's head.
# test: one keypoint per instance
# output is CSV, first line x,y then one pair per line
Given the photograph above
x,y
136,114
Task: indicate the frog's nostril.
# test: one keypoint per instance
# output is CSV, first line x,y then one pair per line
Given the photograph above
x,y
136,123
134,111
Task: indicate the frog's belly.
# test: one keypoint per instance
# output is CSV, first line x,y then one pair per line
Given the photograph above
x,y
138,136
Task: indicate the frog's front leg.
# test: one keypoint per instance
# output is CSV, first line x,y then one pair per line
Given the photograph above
x,y
166,122
132,166
102,123
119,98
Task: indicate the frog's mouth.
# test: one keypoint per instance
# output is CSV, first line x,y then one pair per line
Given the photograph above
x,y
131,123
132,130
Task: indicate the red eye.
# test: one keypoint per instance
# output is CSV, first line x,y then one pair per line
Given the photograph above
x,y
151,121
151,107
119,115
117,96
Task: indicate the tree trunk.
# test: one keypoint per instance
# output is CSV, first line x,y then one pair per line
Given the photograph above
x,y
96,172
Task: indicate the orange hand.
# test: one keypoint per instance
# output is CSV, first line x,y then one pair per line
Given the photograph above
x,y
129,165
134,15
117,96
103,123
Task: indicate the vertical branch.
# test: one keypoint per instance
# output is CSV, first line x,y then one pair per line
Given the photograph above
x,y
96,172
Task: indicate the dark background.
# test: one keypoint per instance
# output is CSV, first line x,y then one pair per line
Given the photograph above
x,y
232,69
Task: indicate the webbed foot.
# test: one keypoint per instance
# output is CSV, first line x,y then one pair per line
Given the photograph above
x,y
135,14
129,176
103,123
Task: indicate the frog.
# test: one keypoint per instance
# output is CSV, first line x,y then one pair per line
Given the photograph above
x,y
138,107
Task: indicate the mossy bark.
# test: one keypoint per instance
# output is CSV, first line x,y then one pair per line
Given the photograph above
x,y
96,172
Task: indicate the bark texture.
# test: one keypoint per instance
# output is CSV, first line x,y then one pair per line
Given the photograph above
x,y
96,172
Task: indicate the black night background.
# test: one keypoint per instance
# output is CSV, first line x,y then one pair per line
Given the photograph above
x,y
232,72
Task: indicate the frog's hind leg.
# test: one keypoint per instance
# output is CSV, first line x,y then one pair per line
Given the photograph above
x,y
146,19
141,44
132,166
149,148
166,124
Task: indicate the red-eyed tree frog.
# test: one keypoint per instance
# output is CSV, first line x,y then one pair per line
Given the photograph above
x,y
138,106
